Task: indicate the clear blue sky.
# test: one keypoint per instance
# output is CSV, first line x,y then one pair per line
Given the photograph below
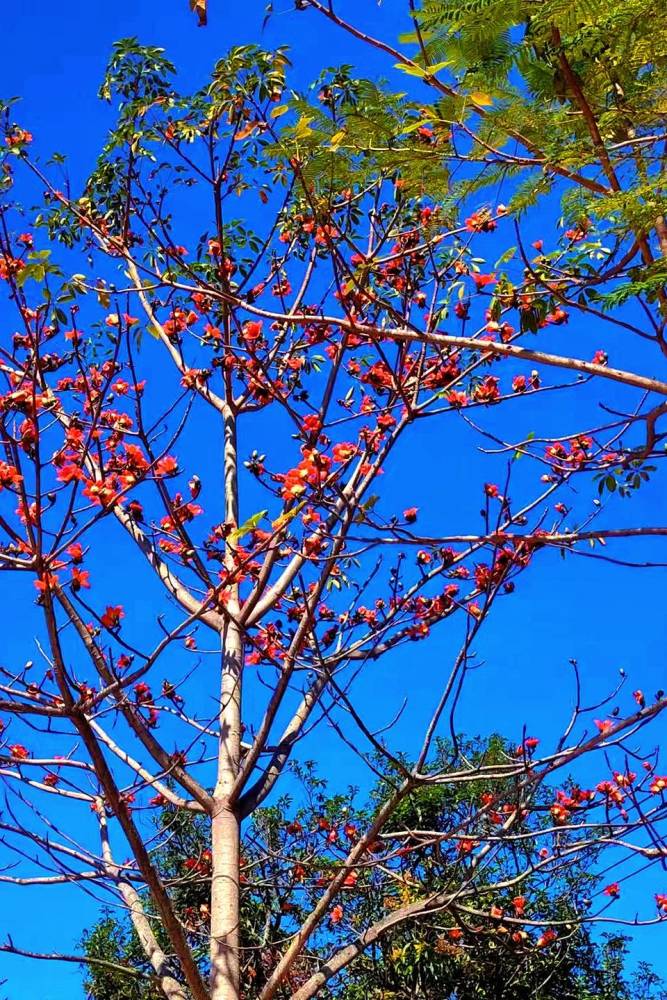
x,y
53,56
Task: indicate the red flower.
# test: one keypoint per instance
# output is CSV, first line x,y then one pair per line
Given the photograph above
x,y
19,752
46,581
252,330
482,280
612,890
312,423
80,578
488,390
557,317
75,552
18,137
142,692
166,466
344,451
112,616
336,914
410,514
481,222
9,476
604,725
546,938
527,747
456,398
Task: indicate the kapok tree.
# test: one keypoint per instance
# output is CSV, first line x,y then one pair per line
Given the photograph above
x,y
215,403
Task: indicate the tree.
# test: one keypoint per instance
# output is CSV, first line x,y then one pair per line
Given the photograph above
x,y
423,960
576,90
296,349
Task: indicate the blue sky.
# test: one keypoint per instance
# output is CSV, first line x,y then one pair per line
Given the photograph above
x,y
607,617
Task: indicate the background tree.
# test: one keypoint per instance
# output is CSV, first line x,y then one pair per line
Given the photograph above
x,y
576,89
305,352
428,959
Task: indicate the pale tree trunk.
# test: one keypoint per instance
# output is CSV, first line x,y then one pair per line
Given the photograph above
x,y
225,825
172,989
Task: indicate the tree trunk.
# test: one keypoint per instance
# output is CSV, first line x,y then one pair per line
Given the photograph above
x,y
225,824
225,829
225,977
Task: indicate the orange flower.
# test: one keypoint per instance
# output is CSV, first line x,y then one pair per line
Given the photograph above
x,y
46,582
344,451
18,137
80,578
166,466
9,476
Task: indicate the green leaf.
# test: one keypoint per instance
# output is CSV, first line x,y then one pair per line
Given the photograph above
x,y
505,257
436,67
302,128
287,516
419,71
337,138
415,125
480,99
31,272
410,70
519,454
247,526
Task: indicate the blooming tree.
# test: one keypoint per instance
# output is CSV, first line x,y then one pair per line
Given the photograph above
x,y
215,404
